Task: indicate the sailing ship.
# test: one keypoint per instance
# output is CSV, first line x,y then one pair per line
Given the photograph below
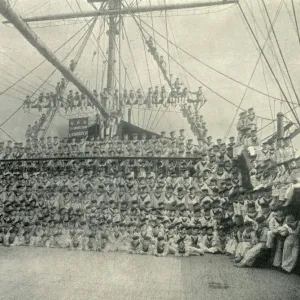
x,y
113,95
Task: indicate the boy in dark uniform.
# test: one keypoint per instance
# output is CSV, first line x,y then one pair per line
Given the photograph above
x,y
196,242
135,245
209,241
181,137
163,140
222,239
161,247
181,249
146,246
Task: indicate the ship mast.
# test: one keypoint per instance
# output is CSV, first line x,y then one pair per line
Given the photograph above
x,y
112,34
114,13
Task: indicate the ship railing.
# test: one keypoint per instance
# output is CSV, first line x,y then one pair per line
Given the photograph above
x,y
125,165
96,157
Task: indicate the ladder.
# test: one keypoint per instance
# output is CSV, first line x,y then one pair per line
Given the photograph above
x,y
43,127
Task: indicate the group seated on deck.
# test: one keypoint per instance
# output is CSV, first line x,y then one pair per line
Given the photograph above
x,y
162,146
181,209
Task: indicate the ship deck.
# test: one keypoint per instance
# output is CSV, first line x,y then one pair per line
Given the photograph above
x,y
50,274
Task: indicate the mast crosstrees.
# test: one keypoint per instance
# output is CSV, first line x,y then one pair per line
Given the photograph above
x,y
125,10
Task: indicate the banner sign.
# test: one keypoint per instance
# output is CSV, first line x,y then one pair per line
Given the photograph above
x,y
78,127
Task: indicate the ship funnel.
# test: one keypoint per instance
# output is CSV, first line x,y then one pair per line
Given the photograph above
x,y
280,127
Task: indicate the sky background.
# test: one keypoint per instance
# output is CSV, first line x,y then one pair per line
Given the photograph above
x,y
217,36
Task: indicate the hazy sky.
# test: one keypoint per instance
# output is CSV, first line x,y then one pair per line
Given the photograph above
x,y
216,36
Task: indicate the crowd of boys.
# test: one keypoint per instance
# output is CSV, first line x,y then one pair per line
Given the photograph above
x,y
152,206
139,146
179,207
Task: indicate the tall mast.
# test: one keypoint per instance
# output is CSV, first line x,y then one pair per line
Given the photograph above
x,y
112,34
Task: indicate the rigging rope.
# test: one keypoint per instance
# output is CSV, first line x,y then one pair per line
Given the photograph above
x,y
150,80
181,61
141,29
36,8
154,38
267,88
18,98
7,134
7,119
180,57
126,76
98,40
275,57
134,64
51,112
29,83
77,57
205,85
38,77
94,6
266,125
120,64
212,68
144,38
32,70
242,99
294,12
153,127
168,53
116,77
21,92
169,64
257,62
268,63
291,17
280,51
18,85
79,20
167,36
272,49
